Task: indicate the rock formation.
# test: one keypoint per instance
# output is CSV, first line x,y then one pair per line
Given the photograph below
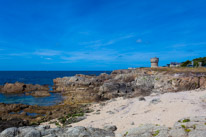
x,y
21,88
39,93
46,131
186,127
127,83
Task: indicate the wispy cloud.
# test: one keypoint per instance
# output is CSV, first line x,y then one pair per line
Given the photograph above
x,y
89,56
18,54
189,44
48,58
102,43
47,52
41,52
139,41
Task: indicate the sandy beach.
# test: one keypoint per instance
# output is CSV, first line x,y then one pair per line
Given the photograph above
x,y
164,109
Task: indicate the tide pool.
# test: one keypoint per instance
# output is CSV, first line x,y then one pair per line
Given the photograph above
x,y
54,99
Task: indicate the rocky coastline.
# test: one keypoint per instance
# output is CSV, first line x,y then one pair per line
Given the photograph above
x,y
128,83
185,127
82,90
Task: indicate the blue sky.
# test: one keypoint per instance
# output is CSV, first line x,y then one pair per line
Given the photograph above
x,y
99,34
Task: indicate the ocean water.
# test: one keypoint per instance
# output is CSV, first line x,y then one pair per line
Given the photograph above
x,y
40,77
55,98
36,77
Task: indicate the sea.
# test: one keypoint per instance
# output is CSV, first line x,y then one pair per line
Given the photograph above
x,y
36,77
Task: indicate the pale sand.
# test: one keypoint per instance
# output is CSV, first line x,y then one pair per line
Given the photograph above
x,y
173,106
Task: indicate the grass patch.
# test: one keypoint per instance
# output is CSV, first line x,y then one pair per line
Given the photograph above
x,y
187,130
186,120
156,133
126,134
78,115
183,126
57,124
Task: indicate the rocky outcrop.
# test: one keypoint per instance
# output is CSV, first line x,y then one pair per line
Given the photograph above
x,y
46,131
127,83
38,114
186,127
39,93
4,124
21,88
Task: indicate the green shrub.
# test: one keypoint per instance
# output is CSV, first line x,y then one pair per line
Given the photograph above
x,y
186,120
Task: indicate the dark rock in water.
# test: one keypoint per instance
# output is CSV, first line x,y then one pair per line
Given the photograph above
x,y
21,88
12,123
39,93
7,108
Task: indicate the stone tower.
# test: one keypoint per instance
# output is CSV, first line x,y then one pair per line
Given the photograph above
x,y
154,62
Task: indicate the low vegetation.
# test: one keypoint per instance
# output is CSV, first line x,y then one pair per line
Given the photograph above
x,y
188,62
156,133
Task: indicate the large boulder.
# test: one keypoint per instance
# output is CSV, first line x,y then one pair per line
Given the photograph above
x,y
13,88
87,132
4,124
60,132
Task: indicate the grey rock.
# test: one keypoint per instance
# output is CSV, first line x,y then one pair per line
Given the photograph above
x,y
132,123
33,133
110,112
9,132
155,101
85,132
51,131
147,130
23,131
142,99
201,133
110,128
42,127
